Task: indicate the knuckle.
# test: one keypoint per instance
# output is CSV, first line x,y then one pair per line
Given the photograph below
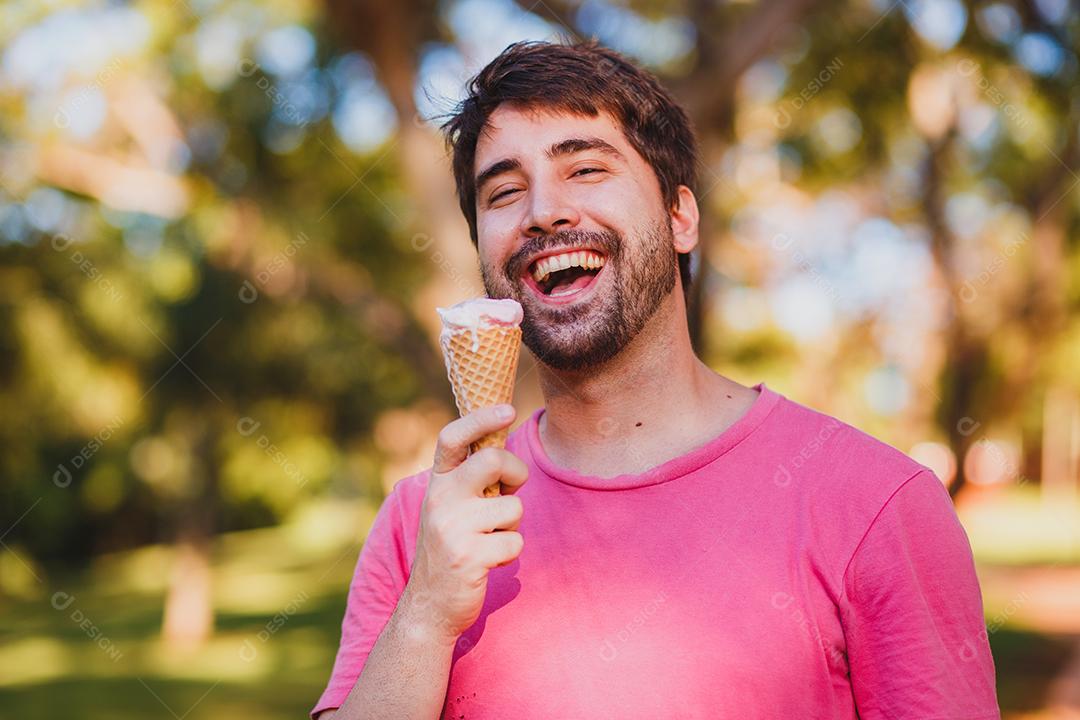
x,y
457,557
516,542
488,460
481,418
440,455
434,500
516,475
520,466
447,440
443,525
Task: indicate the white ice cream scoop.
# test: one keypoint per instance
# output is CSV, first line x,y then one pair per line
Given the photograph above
x,y
480,314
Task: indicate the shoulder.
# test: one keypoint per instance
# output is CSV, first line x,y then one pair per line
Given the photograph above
x,y
838,480
407,496
819,450
837,477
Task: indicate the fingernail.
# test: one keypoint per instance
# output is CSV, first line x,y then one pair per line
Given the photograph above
x,y
504,412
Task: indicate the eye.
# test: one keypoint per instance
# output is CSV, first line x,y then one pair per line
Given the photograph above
x,y
502,194
588,170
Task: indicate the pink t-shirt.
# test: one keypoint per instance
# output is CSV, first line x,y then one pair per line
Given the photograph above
x,y
791,567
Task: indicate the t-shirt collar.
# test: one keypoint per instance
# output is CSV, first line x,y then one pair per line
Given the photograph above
x,y
674,468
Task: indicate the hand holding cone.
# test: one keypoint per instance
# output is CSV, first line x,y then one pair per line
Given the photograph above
x,y
481,342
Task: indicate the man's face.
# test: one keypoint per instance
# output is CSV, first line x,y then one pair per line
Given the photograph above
x,y
571,224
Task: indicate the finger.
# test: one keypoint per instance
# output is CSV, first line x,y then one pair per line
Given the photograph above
x,y
514,474
515,526
454,439
501,548
489,466
497,513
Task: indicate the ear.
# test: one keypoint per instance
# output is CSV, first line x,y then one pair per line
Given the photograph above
x,y
684,221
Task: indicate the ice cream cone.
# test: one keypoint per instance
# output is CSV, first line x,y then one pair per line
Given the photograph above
x,y
481,363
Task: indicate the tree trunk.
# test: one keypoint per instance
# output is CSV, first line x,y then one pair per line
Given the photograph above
x,y
189,614
966,354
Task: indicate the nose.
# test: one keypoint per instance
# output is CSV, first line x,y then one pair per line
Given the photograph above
x,y
550,210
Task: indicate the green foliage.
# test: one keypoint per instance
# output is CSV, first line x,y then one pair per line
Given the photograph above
x,y
233,354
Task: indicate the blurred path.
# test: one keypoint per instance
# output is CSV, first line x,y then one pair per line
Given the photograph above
x,y
1064,701
1045,599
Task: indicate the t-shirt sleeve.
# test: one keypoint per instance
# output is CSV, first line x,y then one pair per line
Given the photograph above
x,y
382,571
912,613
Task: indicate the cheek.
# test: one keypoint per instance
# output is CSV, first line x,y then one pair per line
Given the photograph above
x,y
492,259
497,242
620,205
499,222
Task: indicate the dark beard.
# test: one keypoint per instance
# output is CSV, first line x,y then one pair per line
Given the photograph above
x,y
586,335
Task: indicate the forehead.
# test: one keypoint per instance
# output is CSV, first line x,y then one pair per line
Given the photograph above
x,y
522,132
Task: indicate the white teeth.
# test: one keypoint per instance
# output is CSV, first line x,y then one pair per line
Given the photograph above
x,y
553,263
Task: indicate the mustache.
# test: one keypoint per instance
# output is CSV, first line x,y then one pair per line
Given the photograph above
x,y
607,242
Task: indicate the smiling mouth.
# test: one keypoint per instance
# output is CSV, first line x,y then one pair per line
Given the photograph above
x,y
565,273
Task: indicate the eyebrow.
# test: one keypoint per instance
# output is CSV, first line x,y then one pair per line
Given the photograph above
x,y
562,148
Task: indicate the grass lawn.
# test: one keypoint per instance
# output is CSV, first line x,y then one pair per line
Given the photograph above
x,y
50,667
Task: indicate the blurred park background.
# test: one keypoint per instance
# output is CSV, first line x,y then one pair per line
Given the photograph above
x,y
225,225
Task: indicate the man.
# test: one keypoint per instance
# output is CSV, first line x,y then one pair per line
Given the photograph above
x,y
685,547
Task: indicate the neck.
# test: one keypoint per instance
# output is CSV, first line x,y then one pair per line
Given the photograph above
x,y
653,401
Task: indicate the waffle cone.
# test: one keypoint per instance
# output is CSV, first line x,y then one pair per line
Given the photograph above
x,y
483,377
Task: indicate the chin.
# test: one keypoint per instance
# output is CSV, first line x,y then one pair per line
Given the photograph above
x,y
579,346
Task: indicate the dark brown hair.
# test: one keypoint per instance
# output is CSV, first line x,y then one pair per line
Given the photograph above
x,y
582,78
